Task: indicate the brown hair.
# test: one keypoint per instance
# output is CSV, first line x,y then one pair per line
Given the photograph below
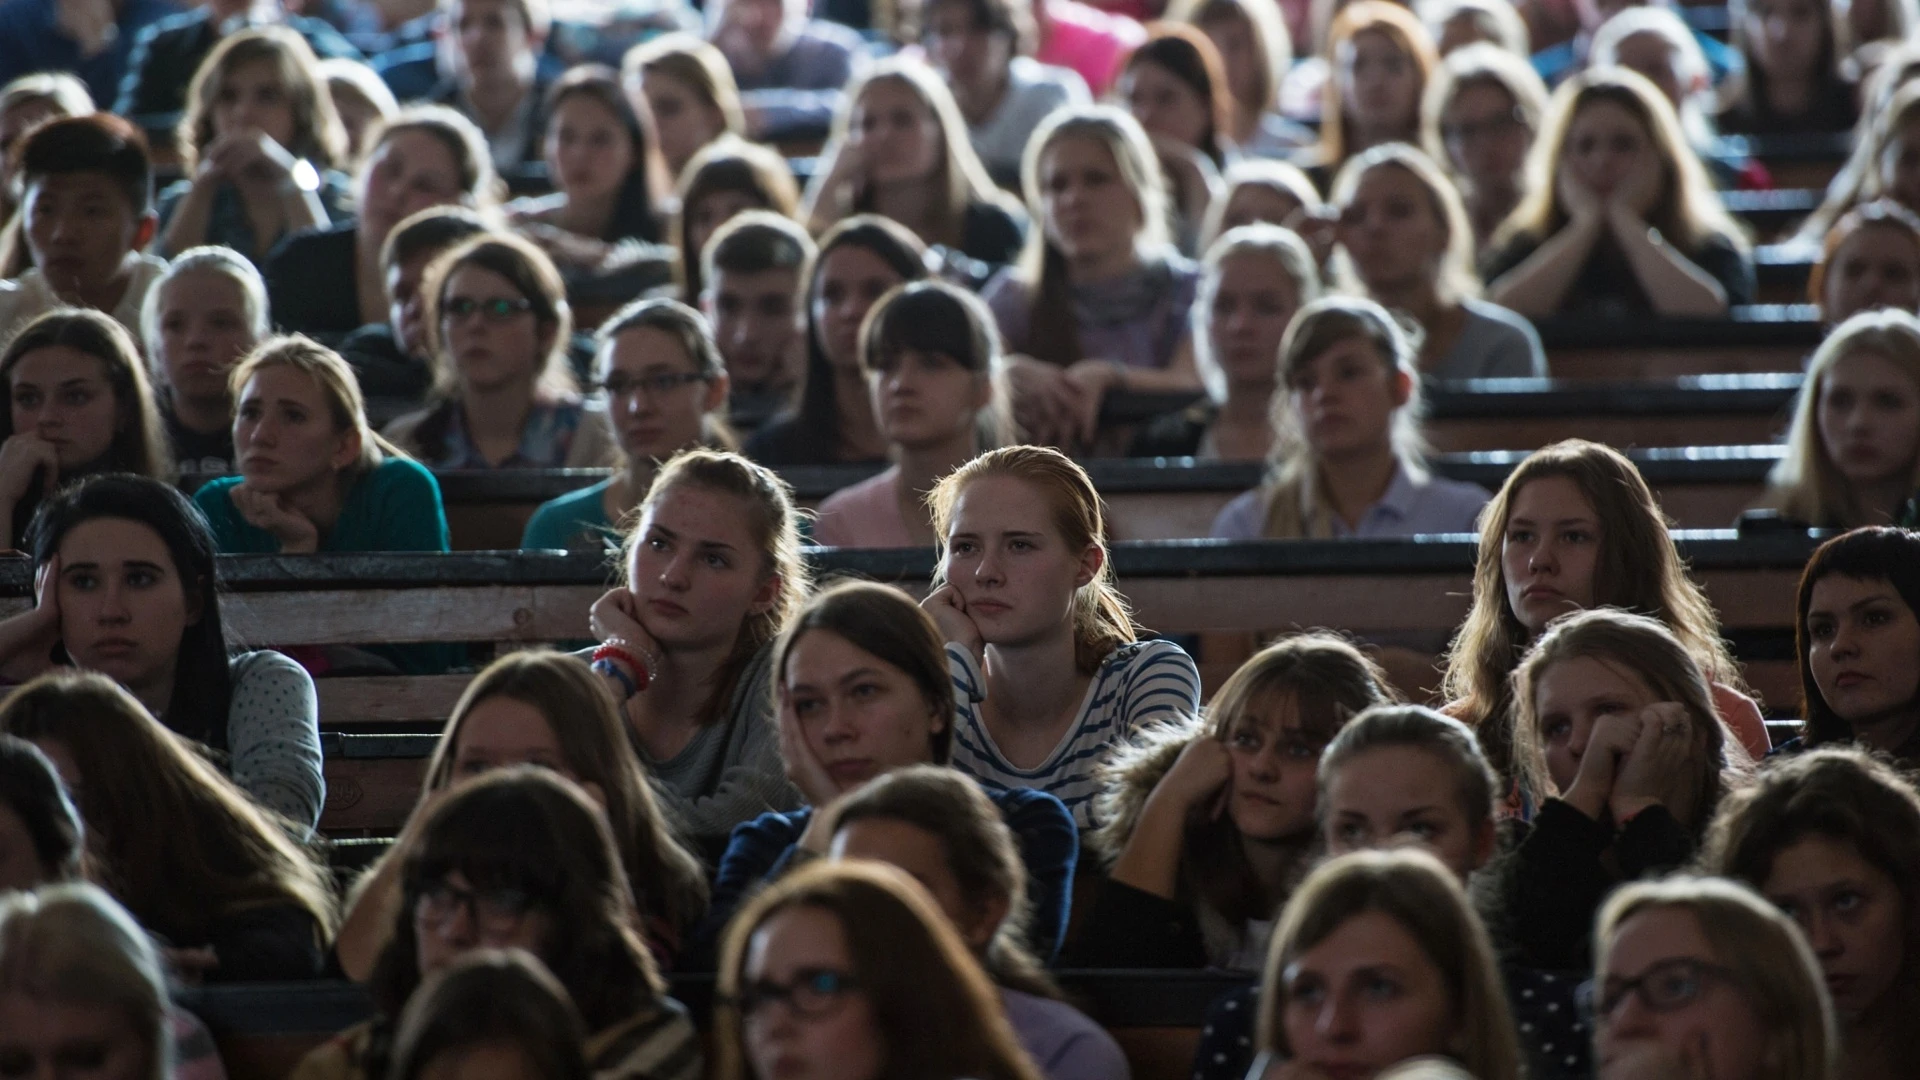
x,y
1878,214
71,944
700,67
318,135
695,336
884,621
726,164
1190,56
140,442
1408,34
533,275
1424,729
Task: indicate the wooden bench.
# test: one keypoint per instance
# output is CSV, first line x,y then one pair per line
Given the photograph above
x,y
1525,414
1755,338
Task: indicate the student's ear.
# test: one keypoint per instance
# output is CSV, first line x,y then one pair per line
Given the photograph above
x,y
1091,560
143,232
1402,387
349,450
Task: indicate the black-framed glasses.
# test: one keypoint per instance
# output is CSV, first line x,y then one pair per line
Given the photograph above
x,y
654,386
812,992
1664,987
498,309
1498,124
497,911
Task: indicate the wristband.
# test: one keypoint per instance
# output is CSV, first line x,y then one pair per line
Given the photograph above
x,y
603,660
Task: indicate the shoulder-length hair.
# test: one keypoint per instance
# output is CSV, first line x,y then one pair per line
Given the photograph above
x,y
1456,279
937,1012
318,135
1102,620
932,316
728,164
1283,249
1296,502
892,243
534,277
1689,212
1879,214
72,945
1805,484
1646,648
642,190
1413,889
1879,553
1190,56
1408,35
139,435
693,63
174,840
492,997
1447,740
1770,959
337,384
1638,570
1272,48
885,622
1479,64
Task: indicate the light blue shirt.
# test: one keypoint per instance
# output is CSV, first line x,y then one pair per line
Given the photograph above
x,y
1408,508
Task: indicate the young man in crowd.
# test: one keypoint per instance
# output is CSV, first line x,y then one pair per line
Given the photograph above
x,y
791,69
756,270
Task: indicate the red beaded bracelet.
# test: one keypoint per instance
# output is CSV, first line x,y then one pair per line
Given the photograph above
x,y
611,651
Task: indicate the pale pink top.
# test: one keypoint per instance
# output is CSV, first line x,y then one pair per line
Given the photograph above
x,y
866,515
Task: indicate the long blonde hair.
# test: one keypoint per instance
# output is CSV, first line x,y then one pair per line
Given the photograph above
x,y
1102,620
1280,246
1805,484
1456,278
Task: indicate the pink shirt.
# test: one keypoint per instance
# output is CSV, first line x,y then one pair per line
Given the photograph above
x,y
1090,41
866,515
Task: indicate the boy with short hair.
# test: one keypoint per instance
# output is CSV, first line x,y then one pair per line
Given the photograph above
x,y
756,269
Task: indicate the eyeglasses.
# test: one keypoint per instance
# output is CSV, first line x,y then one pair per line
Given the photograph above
x,y
499,309
654,386
1664,987
1499,124
813,992
497,911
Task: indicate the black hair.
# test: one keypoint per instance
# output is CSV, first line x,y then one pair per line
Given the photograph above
x,y
31,788
101,143
931,317
900,250
430,231
202,683
1876,553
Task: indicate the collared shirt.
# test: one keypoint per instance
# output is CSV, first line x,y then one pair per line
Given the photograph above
x,y
1409,507
557,435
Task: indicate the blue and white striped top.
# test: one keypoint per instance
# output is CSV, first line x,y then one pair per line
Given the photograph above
x,y
1135,685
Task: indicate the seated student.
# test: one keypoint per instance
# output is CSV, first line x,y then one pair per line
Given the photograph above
x,y
1256,191
92,41
42,841
201,318
1869,260
191,857
1206,824
76,404
258,144
393,358
689,93
129,589
869,974
1255,51
329,281
859,260
1099,301
1381,62
546,709
754,274
1615,731
522,858
1853,450
313,475
1856,633
86,214
723,179
1625,221
929,351
362,100
1405,241
1479,116
1084,39
1881,165
1346,460
1255,278
1575,526
713,575
1723,985
899,149
1047,662
1828,838
1657,43
503,396
26,103
666,390
493,77
1175,87
491,1010
790,68
1355,919
1791,80
981,47
1457,24
946,832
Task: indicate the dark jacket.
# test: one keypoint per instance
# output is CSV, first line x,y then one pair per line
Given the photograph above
x,y
166,55
447,92
312,283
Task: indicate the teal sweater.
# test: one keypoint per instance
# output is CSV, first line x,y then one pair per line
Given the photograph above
x,y
576,521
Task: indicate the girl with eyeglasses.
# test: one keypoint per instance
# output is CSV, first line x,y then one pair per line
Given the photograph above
x,y
849,971
1478,118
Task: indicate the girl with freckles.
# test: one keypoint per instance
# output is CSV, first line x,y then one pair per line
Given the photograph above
x,y
1857,638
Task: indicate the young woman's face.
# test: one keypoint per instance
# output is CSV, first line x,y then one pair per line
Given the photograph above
x,y
1606,145
656,405
489,331
453,918
358,114
1712,1018
1900,164
923,855
63,396
1392,230
43,1037
1862,640
1869,415
1232,35
713,210
252,98
123,604
501,731
204,331
1258,203
1571,697
1254,299
20,865
283,432
588,149
898,135
1379,83
846,282
1165,104
1272,790
1784,36
1874,267
683,121
1366,997
925,398
1649,53
1549,551
695,569
1014,570
1485,137
1393,794
809,1022
407,172
1087,207
861,716
1850,910
1343,399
